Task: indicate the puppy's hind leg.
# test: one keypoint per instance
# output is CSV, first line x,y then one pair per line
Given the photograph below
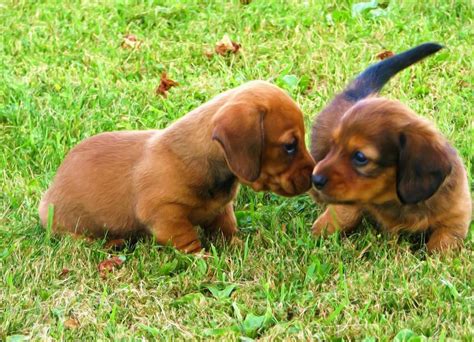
x,y
337,218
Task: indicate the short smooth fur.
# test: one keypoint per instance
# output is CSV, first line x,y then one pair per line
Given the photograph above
x,y
166,182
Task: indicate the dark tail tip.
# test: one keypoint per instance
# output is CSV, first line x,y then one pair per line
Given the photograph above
x,y
372,79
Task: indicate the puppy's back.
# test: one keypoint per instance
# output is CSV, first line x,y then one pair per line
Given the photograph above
x,y
92,187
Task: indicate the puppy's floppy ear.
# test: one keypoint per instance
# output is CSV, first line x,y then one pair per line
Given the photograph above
x,y
423,165
238,128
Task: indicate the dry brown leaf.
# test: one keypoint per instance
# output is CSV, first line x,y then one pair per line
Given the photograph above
x,y
63,273
226,46
71,323
385,54
236,46
108,265
130,41
208,53
165,85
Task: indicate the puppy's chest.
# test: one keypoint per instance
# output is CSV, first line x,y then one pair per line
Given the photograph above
x,y
218,185
213,197
219,190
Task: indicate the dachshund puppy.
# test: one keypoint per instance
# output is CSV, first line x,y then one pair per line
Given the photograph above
x,y
164,183
376,156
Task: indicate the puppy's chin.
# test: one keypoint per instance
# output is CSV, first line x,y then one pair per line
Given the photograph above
x,y
275,188
284,193
293,187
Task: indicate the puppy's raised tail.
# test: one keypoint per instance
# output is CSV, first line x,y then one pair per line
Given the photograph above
x,y
369,82
372,79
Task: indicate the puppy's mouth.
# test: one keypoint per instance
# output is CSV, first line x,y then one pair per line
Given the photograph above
x,y
275,188
323,196
282,192
292,188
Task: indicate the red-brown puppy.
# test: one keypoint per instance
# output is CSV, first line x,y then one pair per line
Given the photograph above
x,y
165,183
375,155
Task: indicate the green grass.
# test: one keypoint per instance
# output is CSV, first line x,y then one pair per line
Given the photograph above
x,y
64,77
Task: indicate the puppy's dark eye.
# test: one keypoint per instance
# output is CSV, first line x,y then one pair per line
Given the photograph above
x,y
359,159
291,148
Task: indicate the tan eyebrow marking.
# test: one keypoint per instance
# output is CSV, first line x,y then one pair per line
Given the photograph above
x,y
357,143
336,133
370,151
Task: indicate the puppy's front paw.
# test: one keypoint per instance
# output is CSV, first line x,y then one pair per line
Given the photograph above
x,y
337,217
323,225
441,242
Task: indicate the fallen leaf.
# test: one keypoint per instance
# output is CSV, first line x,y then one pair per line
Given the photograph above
x,y
208,53
165,85
245,2
63,273
236,46
130,42
226,46
108,265
385,54
71,323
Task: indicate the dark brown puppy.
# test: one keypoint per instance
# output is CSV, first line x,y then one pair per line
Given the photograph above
x,y
164,183
375,155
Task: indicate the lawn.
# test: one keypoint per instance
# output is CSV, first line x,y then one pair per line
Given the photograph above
x,y
66,74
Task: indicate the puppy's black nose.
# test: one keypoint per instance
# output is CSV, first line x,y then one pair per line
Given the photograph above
x,y
319,181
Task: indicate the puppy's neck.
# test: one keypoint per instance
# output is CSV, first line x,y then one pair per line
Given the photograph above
x,y
220,181
191,135
190,138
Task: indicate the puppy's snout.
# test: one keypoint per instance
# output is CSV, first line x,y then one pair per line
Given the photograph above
x,y
319,181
